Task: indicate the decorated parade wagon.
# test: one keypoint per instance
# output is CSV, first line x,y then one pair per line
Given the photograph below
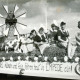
x,y
53,63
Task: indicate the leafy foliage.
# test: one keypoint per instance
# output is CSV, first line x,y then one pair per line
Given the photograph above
x,y
78,49
54,51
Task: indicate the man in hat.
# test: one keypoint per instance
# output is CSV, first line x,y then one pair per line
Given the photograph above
x,y
63,35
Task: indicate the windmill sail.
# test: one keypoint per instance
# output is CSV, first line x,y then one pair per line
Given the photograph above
x,y
6,8
2,25
5,32
23,16
15,32
22,24
16,8
1,16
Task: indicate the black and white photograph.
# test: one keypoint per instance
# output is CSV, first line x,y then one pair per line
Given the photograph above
x,y
40,38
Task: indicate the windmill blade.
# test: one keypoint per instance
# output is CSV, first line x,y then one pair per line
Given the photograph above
x,y
17,30
15,8
2,16
5,8
22,24
21,15
6,32
2,25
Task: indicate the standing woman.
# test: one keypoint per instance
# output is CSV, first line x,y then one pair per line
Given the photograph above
x,y
54,33
29,43
39,40
35,36
63,35
73,45
78,36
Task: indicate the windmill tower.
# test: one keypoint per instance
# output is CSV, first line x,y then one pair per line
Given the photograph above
x,y
11,21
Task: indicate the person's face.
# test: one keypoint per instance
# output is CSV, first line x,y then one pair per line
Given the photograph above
x,y
63,27
54,28
16,37
22,36
41,31
34,33
31,36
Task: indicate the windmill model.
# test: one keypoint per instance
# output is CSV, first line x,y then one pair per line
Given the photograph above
x,y
11,21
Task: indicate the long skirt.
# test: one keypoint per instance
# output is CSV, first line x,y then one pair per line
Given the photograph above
x,y
27,48
71,49
43,46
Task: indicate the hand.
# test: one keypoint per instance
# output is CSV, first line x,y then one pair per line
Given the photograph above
x,y
35,42
66,41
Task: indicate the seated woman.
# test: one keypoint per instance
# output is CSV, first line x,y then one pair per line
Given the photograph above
x,y
29,43
52,34
44,41
39,41
63,35
42,35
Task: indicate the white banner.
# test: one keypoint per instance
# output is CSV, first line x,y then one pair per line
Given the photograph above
x,y
43,69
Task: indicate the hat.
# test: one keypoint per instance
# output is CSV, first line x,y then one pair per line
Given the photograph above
x,y
41,29
62,23
53,25
78,21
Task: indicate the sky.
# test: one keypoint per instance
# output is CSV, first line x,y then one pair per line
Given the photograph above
x,y
42,13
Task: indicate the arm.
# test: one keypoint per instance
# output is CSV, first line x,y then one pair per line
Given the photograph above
x,y
29,41
46,39
59,38
68,36
38,43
